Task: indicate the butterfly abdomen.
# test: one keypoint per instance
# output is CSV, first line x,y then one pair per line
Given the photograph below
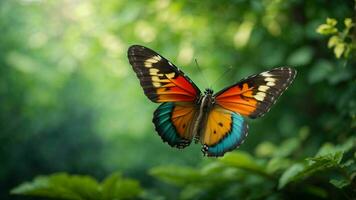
x,y
205,103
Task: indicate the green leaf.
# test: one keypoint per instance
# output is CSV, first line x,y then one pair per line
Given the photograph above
x,y
177,175
287,147
265,149
60,185
278,164
116,187
331,21
333,41
309,167
212,168
243,160
79,187
326,29
329,148
348,23
339,49
348,163
340,183
291,174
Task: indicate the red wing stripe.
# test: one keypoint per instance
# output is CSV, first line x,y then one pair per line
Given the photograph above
x,y
174,92
174,97
187,86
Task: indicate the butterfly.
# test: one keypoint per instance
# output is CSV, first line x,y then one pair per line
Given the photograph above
x,y
216,120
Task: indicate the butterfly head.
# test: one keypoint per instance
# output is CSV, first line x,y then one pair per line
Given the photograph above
x,y
208,91
208,99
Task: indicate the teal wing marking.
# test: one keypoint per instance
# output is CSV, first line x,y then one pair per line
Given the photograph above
x,y
239,131
165,128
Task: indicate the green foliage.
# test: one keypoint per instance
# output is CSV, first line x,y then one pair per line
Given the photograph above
x,y
241,171
78,187
343,42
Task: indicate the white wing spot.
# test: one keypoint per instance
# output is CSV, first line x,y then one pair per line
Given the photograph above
x,y
260,96
270,84
156,84
154,59
268,79
154,71
170,75
148,64
263,88
155,79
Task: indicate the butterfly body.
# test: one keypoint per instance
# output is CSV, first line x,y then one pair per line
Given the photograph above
x,y
214,120
205,104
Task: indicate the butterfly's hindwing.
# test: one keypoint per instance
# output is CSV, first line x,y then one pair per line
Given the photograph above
x,y
174,123
160,79
255,95
225,130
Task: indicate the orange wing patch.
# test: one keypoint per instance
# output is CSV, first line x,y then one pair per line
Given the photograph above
x,y
174,123
217,127
173,89
182,117
238,99
255,95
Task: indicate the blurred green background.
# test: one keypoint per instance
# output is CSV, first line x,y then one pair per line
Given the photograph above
x,y
70,101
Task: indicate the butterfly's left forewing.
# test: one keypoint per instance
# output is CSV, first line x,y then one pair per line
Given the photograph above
x,y
160,79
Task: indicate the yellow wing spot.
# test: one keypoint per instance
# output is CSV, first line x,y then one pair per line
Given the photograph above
x,y
148,64
154,71
170,75
156,84
260,96
155,59
155,79
269,79
263,88
270,84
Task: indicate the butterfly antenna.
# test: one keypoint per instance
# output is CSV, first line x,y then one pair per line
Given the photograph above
x,y
222,75
201,71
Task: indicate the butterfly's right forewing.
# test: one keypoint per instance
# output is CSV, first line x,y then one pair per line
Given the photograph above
x,y
254,96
